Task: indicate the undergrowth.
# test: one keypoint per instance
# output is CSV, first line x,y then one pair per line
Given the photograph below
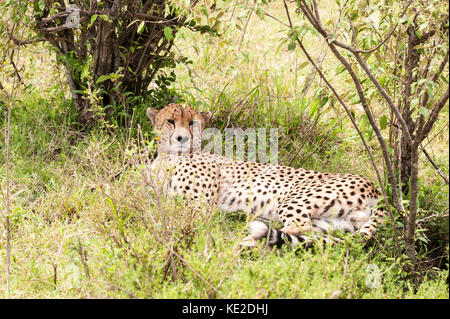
x,y
87,222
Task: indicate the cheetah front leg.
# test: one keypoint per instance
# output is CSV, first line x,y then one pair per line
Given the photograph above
x,y
296,223
369,228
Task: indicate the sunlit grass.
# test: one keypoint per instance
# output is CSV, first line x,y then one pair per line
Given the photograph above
x,y
79,203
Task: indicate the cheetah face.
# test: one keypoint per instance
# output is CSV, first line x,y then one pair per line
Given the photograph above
x,y
178,128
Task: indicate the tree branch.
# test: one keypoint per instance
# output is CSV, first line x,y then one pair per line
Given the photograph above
x,y
391,176
386,97
25,42
355,125
318,26
438,170
433,79
434,114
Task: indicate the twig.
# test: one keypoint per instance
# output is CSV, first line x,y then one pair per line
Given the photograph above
x,y
388,35
345,265
62,27
25,42
332,44
432,216
189,266
246,25
274,18
434,114
8,228
434,165
16,72
367,110
83,260
55,263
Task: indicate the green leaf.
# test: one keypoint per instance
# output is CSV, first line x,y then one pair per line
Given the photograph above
x,y
302,65
102,78
340,69
291,46
429,86
323,101
141,27
219,15
246,58
383,122
331,38
84,71
353,114
355,100
104,17
93,18
403,20
423,111
260,13
168,34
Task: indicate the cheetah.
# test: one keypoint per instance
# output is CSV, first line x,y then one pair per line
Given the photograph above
x,y
304,201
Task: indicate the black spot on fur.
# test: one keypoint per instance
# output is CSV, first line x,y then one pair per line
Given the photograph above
x,y
328,206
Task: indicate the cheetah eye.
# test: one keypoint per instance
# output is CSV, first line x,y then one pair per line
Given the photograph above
x,y
191,123
171,121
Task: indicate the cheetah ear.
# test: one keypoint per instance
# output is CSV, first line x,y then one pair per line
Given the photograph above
x,y
151,114
207,116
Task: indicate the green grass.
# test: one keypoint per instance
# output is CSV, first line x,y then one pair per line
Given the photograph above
x,y
84,223
81,196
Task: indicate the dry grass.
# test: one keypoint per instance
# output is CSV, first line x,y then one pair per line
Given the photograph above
x,y
87,222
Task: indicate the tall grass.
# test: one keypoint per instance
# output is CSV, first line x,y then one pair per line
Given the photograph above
x,y
88,222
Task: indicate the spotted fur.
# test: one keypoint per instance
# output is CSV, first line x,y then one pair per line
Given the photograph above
x,y
304,201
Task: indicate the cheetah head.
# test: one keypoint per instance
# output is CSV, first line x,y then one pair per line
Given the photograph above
x,y
178,128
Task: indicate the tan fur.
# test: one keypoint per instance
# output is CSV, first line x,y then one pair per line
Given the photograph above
x,y
302,200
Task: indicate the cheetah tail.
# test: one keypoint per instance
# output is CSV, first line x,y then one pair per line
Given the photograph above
x,y
275,237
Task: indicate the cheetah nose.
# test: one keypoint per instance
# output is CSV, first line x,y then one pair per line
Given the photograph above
x,y
182,139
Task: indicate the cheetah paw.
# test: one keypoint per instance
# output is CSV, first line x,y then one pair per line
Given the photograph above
x,y
249,242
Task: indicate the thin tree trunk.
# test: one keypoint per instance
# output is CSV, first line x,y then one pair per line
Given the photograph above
x,y
413,207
